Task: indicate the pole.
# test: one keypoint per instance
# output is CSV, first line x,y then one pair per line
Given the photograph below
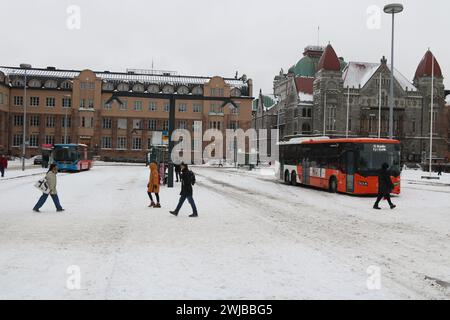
x,y
348,110
325,115
65,127
24,138
379,111
431,115
391,102
171,129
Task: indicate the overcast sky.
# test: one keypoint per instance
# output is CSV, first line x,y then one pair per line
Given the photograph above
x,y
212,37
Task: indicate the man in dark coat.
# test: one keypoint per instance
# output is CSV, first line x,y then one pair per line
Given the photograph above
x,y
187,181
3,164
385,187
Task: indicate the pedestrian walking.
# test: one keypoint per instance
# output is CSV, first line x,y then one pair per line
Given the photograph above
x,y
385,187
153,185
440,170
177,172
51,181
187,181
3,164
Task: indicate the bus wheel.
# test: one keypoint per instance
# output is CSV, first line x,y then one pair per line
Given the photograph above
x,y
333,185
286,178
294,178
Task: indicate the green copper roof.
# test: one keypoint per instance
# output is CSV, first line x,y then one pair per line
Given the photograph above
x,y
343,63
305,67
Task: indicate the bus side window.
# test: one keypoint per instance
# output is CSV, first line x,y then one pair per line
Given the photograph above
x,y
350,162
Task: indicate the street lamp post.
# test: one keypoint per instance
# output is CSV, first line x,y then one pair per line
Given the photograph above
x,y
65,119
24,138
392,9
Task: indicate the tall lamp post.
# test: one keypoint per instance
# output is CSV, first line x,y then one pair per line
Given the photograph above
x,y
24,138
392,9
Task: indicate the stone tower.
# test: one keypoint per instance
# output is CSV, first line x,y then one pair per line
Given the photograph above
x,y
329,116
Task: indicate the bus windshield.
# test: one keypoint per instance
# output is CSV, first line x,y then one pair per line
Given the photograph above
x,y
371,157
65,154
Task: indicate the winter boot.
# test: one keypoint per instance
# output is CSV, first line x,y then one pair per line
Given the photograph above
x,y
158,205
393,206
377,207
151,205
175,213
194,215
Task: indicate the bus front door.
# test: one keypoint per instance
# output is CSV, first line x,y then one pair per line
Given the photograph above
x,y
350,171
305,169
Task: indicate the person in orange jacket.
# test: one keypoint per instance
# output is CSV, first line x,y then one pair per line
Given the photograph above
x,y
153,185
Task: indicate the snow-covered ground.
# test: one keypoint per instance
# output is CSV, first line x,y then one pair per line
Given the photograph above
x,y
255,239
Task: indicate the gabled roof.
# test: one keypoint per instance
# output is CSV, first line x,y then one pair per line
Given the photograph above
x,y
304,88
329,60
425,67
359,73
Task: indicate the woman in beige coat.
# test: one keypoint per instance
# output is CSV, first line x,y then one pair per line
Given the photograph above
x,y
51,181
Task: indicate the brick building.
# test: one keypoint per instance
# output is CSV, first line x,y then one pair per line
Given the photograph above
x,y
118,115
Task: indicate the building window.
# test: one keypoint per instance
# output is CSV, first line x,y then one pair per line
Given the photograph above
x,y
137,124
64,120
123,105
197,108
17,140
66,102
306,112
215,125
34,121
122,143
122,124
66,85
152,124
106,143
18,120
34,101
82,103
106,123
152,106
331,118
234,125
18,101
166,107
413,124
138,106
182,124
49,139
87,85
136,143
215,108
34,141
90,104
50,102
182,107
66,139
149,143
165,125
217,92
50,122
1,98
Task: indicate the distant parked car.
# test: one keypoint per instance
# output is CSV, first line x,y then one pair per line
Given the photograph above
x,y
37,160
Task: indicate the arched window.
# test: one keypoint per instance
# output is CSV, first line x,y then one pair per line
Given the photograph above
x,y
168,89
34,83
18,83
235,92
2,77
108,86
123,87
66,84
153,88
138,88
183,90
51,84
198,91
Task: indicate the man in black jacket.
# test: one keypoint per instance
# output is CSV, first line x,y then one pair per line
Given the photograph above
x,y
187,181
385,187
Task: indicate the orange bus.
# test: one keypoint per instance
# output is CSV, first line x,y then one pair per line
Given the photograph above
x,y
339,165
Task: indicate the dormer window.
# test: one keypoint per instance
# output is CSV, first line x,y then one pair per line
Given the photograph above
x,y
51,84
34,83
235,92
183,90
168,89
108,86
18,83
138,88
123,87
153,88
66,84
198,91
